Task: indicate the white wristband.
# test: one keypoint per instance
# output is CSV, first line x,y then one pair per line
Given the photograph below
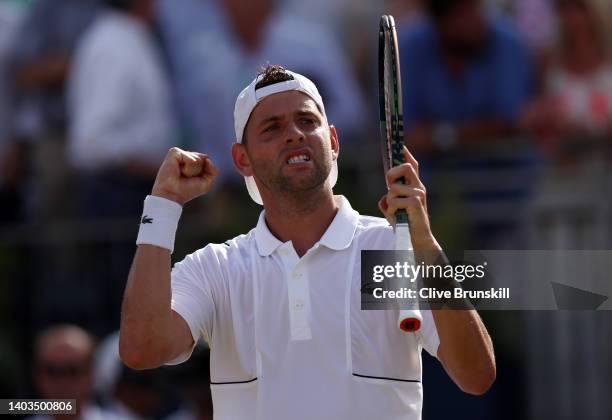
x,y
159,222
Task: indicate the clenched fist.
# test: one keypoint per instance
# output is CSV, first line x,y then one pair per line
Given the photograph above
x,y
184,176
410,197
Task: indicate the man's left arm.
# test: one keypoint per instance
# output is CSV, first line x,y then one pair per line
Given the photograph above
x,y
465,349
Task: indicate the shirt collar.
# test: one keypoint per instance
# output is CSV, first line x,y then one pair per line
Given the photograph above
x,y
338,235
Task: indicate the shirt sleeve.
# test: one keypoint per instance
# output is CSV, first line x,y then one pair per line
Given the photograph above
x,y
192,297
428,334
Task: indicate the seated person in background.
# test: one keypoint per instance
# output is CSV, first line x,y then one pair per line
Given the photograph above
x,y
121,124
577,101
121,120
63,357
466,78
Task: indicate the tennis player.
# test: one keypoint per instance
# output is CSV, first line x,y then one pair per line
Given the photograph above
x,y
280,305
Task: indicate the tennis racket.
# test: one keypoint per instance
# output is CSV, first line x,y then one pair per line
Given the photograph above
x,y
392,139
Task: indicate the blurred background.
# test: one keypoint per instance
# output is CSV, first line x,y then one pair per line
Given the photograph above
x,y
508,107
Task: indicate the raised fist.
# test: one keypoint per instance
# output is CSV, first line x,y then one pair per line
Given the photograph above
x,y
184,176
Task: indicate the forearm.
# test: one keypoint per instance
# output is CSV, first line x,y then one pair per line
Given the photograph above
x,y
465,347
146,314
465,350
151,333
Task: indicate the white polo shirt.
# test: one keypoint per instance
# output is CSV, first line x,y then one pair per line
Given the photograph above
x,y
288,338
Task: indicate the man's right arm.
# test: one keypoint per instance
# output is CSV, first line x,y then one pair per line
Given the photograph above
x,y
151,332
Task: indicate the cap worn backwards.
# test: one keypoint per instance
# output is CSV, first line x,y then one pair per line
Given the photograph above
x,y
249,98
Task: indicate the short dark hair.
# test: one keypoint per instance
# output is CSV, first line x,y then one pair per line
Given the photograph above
x,y
272,74
269,75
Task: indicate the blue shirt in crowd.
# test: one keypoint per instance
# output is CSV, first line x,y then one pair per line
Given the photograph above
x,y
486,187
495,85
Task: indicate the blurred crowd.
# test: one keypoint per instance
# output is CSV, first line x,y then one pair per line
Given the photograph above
x,y
507,105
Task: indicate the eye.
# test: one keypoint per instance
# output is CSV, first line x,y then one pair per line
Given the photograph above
x,y
308,121
271,128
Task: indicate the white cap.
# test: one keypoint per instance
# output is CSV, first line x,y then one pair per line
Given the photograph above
x,y
248,100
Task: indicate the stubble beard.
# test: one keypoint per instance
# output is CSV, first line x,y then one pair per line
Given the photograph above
x,y
299,192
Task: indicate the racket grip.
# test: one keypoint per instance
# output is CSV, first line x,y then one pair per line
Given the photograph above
x,y
402,237
410,320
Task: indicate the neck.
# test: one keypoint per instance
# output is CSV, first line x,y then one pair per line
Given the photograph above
x,y
300,219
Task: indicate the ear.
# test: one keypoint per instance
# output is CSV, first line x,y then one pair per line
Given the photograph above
x,y
335,144
241,159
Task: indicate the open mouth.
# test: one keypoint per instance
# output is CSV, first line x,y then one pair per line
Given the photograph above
x,y
298,159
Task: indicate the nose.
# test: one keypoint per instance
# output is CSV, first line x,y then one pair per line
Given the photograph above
x,y
294,134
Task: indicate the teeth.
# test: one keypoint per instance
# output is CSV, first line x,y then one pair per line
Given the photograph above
x,y
298,159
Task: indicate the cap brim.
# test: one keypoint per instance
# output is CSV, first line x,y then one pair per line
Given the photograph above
x,y
254,191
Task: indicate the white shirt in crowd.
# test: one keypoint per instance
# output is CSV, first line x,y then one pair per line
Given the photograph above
x,y
287,336
119,97
586,101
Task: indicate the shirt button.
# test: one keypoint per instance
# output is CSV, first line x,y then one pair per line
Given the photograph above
x,y
297,275
298,305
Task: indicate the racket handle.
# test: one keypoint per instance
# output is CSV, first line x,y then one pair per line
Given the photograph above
x,y
409,319
402,237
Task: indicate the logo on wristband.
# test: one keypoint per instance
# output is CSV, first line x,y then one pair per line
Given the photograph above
x,y
146,219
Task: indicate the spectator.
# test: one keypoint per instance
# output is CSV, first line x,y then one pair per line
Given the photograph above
x,y
214,47
63,357
41,59
129,394
466,78
121,117
573,121
575,112
121,126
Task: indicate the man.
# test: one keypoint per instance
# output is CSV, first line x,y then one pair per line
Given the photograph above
x,y
40,61
63,358
121,125
120,108
466,79
211,47
280,305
